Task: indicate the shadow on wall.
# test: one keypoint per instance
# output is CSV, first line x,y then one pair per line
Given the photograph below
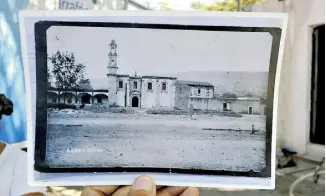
x,y
13,128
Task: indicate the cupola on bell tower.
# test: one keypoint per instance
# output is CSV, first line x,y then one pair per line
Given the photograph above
x,y
113,55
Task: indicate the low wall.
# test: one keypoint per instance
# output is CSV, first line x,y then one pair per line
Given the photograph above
x,y
238,105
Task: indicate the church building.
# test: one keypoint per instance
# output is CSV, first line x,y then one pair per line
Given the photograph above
x,y
154,92
138,91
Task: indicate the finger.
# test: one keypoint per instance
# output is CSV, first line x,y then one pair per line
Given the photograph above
x,y
123,191
126,189
143,186
88,191
171,191
105,189
191,192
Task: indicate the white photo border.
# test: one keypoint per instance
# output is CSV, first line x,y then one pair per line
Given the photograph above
x,y
240,19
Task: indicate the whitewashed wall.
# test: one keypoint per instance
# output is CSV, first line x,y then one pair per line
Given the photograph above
x,y
148,96
157,97
121,91
242,106
167,97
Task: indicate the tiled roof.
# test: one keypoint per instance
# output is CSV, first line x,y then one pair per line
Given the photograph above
x,y
160,77
195,83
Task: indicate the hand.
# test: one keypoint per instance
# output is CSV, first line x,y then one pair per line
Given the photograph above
x,y
143,186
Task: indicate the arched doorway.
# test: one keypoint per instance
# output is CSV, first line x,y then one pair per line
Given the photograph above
x,y
85,98
52,97
100,98
135,102
67,97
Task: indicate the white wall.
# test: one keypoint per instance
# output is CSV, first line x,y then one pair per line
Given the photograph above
x,y
112,80
166,97
158,97
239,106
121,91
294,101
148,96
242,106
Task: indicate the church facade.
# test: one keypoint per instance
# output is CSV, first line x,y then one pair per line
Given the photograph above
x,y
138,91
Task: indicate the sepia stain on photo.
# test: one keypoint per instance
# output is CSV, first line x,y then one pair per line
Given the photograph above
x,y
156,98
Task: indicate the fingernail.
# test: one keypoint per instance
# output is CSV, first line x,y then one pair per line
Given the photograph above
x,y
145,183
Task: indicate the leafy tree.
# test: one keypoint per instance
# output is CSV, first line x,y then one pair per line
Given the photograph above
x,y
49,78
66,71
226,5
84,84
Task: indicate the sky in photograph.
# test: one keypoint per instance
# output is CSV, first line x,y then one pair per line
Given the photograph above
x,y
157,52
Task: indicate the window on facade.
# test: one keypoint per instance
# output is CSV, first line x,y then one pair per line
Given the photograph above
x,y
54,99
163,86
198,91
149,86
120,84
317,119
135,85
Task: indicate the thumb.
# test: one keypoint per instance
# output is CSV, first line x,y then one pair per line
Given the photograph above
x,y
143,186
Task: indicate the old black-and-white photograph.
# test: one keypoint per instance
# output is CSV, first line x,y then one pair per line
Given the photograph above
x,y
156,98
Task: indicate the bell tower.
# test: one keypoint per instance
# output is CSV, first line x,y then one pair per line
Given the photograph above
x,y
113,55
112,73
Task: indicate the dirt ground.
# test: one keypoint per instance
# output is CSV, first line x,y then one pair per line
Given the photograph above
x,y
157,141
